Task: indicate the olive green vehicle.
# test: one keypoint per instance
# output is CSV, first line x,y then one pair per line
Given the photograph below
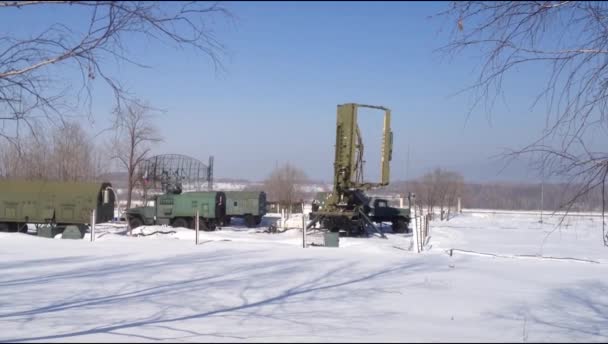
x,y
248,205
379,212
56,204
347,209
178,210
399,218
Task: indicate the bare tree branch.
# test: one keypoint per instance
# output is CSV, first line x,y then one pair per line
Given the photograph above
x,y
135,132
568,40
30,67
284,185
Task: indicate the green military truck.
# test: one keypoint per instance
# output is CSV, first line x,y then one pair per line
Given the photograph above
x,y
178,210
53,204
379,212
248,205
382,212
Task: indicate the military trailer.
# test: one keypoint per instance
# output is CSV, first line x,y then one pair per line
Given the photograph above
x,y
178,210
248,205
54,204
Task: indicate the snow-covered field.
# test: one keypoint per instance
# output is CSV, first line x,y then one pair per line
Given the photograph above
x,y
502,283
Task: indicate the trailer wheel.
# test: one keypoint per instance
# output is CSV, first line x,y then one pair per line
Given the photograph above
x,y
180,222
22,227
250,221
203,225
135,222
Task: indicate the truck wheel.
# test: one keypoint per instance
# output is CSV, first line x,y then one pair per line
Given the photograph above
x,y
202,225
249,221
180,222
22,228
258,220
399,226
135,222
225,221
210,226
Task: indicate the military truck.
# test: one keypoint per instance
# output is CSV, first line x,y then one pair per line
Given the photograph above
x,y
347,209
382,212
378,212
53,204
178,210
248,205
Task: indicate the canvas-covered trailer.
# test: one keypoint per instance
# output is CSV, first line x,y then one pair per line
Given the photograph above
x,y
54,203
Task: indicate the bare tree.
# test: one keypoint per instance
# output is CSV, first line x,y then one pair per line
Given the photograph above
x,y
28,157
31,67
442,187
67,153
568,40
417,187
284,185
431,190
454,189
438,188
72,154
135,133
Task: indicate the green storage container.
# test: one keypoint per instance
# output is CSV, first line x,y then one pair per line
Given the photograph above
x,y
47,231
331,239
73,232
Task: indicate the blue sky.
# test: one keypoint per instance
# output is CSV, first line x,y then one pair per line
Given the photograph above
x,y
288,65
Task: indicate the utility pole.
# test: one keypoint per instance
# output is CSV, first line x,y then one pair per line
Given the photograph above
x,y
407,166
542,181
541,197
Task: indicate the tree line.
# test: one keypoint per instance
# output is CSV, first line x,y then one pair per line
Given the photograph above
x,y
439,190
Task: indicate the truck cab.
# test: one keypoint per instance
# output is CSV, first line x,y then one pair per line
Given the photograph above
x,y
382,212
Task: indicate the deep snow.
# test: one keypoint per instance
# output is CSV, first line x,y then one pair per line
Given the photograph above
x,y
242,284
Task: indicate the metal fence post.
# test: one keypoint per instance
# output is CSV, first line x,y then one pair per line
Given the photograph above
x,y
93,217
197,224
303,231
420,233
416,229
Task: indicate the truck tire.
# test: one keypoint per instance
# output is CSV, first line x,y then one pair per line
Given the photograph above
x,y
12,227
22,228
399,225
226,221
249,221
135,222
180,222
258,220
